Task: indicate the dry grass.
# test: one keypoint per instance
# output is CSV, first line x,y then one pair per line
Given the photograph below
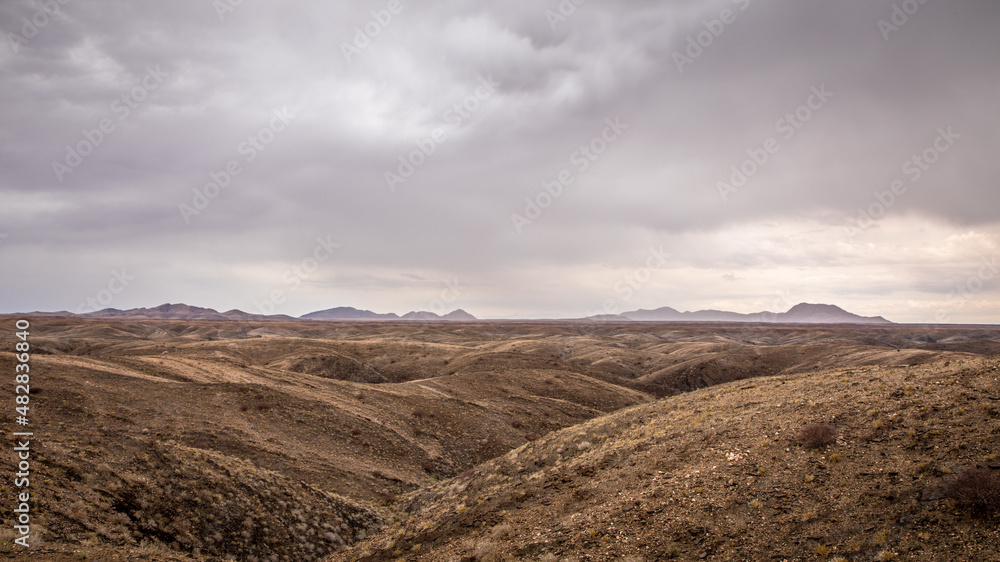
x,y
689,477
204,437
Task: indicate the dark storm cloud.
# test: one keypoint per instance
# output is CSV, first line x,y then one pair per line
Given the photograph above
x,y
187,91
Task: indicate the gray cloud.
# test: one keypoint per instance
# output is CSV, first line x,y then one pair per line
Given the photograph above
x,y
217,83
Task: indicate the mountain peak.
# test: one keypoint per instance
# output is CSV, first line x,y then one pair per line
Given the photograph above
x,y
825,314
347,313
810,307
459,314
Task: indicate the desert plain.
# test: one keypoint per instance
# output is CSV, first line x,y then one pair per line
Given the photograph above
x,y
489,441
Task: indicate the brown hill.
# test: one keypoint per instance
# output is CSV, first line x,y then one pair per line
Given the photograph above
x,y
165,438
721,473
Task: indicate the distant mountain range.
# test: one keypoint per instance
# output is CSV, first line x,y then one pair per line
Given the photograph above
x,y
799,314
175,312
349,313
188,312
803,313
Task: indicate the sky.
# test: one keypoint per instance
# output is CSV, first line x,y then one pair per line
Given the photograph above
x,y
516,159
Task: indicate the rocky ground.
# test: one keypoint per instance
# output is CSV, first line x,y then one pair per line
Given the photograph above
x,y
171,440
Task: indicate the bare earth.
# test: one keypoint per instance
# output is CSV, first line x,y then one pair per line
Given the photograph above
x,y
219,440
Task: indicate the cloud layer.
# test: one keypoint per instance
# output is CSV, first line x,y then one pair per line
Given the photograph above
x,y
532,154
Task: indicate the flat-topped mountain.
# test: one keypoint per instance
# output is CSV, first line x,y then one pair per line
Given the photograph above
x,y
348,313
826,314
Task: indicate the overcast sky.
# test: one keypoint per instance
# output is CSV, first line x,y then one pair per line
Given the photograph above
x,y
296,156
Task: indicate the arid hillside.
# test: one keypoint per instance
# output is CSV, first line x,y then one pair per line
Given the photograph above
x,y
723,473
167,439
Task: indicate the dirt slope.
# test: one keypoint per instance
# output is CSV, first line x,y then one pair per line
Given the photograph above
x,y
129,411
213,424
718,474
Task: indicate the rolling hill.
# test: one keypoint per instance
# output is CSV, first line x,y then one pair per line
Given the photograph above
x,y
163,439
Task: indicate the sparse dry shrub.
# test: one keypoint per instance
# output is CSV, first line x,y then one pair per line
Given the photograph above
x,y
817,435
885,556
977,488
503,531
418,413
531,437
355,431
486,551
262,406
208,504
516,424
428,467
